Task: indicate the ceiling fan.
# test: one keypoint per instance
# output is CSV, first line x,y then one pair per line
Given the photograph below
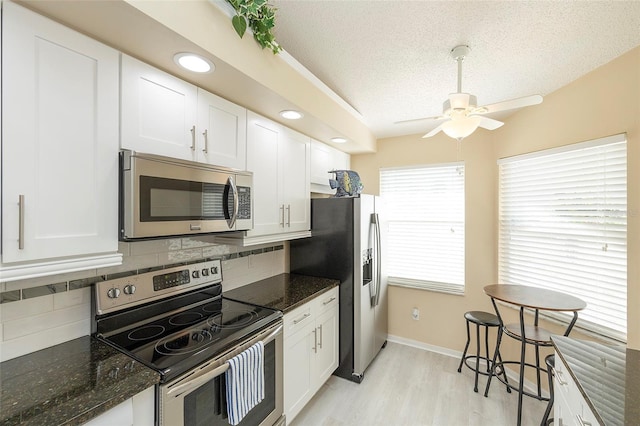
x,y
461,111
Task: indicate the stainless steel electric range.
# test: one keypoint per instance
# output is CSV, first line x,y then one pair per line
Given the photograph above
x,y
176,322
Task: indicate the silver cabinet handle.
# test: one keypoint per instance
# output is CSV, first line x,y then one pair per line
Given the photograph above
x,y
320,344
21,222
581,421
193,138
315,340
560,376
289,215
206,141
282,215
296,321
328,301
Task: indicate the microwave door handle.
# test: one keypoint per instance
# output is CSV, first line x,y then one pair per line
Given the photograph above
x,y
232,220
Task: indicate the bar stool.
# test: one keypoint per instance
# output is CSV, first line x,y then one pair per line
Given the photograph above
x,y
550,360
486,320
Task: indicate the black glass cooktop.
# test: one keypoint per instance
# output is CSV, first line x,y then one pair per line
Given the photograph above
x,y
176,340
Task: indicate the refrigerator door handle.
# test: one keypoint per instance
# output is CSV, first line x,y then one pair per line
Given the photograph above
x,y
373,284
378,257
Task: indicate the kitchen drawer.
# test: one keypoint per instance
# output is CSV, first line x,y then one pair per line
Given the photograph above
x,y
326,301
298,318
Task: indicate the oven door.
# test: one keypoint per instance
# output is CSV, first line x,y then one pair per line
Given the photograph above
x,y
197,398
164,197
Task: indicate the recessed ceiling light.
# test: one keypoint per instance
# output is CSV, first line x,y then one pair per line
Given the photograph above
x,y
193,62
338,140
290,114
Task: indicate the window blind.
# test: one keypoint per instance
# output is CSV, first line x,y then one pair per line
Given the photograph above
x,y
563,226
425,207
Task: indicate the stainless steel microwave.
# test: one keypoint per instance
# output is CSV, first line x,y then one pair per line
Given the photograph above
x,y
162,197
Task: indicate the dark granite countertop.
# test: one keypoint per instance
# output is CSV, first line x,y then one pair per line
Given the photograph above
x,y
607,376
69,384
283,292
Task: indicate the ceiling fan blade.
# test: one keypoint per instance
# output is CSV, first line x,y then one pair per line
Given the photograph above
x,y
510,104
413,120
433,132
489,123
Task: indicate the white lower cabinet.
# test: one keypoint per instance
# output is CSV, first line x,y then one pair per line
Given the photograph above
x,y
570,407
310,350
138,411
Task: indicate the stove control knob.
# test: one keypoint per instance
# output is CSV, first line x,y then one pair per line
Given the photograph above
x,y
214,270
129,289
205,272
197,337
113,293
195,274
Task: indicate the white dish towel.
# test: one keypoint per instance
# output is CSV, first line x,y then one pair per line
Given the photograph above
x,y
245,382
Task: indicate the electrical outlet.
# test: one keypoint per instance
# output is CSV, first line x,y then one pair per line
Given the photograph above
x,y
415,314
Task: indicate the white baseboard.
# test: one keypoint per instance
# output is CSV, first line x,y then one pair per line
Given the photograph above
x,y
512,375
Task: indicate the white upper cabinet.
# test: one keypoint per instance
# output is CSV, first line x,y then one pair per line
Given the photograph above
x,y
158,111
222,128
279,159
164,115
60,148
324,159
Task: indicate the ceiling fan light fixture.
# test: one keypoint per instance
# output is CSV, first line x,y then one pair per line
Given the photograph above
x,y
461,127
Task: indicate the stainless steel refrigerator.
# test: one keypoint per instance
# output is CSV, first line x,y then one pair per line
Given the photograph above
x,y
348,244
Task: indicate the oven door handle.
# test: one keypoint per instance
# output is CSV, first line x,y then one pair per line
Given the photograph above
x,y
203,377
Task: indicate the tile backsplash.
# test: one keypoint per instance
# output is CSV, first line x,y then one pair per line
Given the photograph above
x,y
45,311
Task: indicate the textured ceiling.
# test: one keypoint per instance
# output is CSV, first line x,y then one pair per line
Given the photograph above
x,y
390,59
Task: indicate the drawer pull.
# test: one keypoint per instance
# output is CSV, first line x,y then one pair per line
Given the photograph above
x,y
193,138
560,376
296,321
329,301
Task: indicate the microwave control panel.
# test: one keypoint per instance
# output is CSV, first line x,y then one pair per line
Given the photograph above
x,y
244,202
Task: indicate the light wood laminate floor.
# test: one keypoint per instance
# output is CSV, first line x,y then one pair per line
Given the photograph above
x,y
410,386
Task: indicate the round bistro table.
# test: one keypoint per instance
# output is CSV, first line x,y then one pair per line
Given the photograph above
x,y
538,299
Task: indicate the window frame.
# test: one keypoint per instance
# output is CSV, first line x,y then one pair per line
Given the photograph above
x,y
407,278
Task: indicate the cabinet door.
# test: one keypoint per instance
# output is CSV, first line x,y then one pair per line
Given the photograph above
x,y
320,163
299,356
59,140
262,160
121,415
324,159
327,342
221,132
294,163
158,111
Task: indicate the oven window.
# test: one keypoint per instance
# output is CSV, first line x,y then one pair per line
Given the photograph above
x,y
207,404
177,200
